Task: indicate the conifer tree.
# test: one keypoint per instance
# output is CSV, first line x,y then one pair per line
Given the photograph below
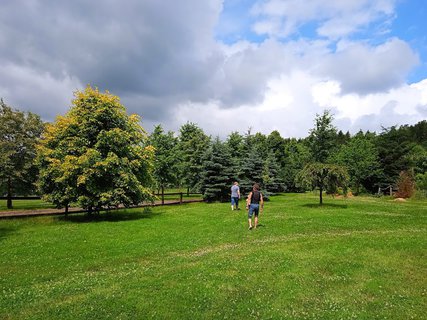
x,y
217,175
270,175
251,170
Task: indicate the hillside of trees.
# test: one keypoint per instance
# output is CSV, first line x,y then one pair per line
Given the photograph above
x,y
366,162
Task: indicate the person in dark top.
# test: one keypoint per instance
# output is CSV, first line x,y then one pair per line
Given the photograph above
x,y
255,204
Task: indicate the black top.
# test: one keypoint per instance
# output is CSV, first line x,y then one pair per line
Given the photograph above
x,y
256,197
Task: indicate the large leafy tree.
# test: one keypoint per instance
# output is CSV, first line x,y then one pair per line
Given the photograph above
x,y
217,174
19,132
166,158
324,177
95,155
360,157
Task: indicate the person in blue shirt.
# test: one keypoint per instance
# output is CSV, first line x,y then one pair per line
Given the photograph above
x,y
235,196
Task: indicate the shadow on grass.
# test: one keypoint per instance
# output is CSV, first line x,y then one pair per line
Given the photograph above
x,y
5,231
112,216
325,205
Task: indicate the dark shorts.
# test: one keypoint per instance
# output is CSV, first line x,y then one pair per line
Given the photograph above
x,y
235,201
253,209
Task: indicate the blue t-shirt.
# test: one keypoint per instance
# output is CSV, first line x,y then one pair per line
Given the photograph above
x,y
234,191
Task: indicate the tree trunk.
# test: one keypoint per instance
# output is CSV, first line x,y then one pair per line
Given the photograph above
x,y
321,195
9,193
188,191
163,195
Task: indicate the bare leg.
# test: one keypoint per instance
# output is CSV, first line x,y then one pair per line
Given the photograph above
x,y
256,221
250,223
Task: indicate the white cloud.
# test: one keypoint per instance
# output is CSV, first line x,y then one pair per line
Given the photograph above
x,y
362,68
27,89
164,63
292,101
335,18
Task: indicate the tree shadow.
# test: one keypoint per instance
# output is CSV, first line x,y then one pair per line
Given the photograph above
x,y
5,231
325,205
112,215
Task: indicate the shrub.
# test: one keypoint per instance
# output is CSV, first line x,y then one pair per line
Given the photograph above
x,y
405,185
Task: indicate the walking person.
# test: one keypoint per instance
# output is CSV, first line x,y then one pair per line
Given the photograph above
x,y
235,196
254,204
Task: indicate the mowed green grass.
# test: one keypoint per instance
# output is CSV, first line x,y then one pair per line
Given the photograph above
x,y
25,205
356,258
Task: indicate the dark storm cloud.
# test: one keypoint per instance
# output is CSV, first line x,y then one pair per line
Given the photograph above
x,y
162,59
131,48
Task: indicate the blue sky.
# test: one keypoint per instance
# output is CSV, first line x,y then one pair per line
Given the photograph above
x,y
408,21
411,24
226,65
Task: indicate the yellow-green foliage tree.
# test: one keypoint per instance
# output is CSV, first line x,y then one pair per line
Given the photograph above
x,y
95,156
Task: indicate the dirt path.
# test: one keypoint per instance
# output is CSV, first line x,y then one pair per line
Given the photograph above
x,y
42,212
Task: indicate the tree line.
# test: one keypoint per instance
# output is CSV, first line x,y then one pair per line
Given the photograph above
x,y
98,156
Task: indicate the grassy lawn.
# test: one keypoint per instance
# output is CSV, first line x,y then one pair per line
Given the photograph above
x,y
25,205
356,258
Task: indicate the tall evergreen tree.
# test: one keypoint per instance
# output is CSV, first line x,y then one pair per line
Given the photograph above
x,y
193,143
270,175
165,157
251,170
235,144
217,174
393,147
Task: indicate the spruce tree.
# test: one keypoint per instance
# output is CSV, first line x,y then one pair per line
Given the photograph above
x,y
270,176
251,171
217,175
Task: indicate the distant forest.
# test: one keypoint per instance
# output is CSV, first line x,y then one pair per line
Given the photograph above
x,y
370,162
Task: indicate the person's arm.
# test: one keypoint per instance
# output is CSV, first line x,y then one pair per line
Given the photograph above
x,y
248,200
238,193
261,202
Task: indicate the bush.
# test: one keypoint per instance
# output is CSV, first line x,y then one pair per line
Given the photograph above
x,y
405,185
